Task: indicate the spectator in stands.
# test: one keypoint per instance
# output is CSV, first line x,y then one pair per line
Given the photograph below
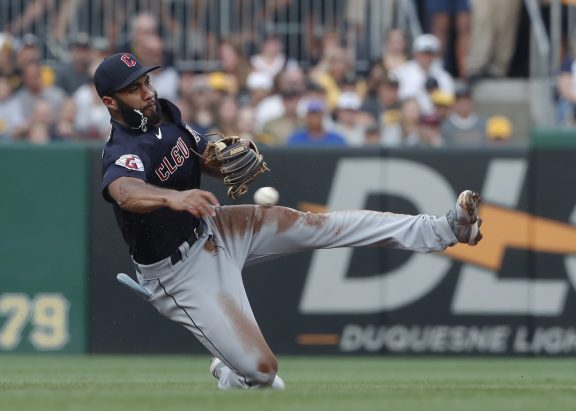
x,y
314,93
406,132
65,19
394,53
33,16
271,60
413,75
259,85
101,49
291,79
92,120
463,126
193,29
375,75
429,131
29,53
431,85
329,42
566,88
227,118
355,17
442,103
372,137
65,127
68,10
165,79
332,72
499,130
276,131
8,66
222,84
353,84
185,110
245,121
323,23
348,122
494,25
133,25
314,133
142,26
200,96
40,125
75,73
441,13
234,63
11,113
384,107
33,90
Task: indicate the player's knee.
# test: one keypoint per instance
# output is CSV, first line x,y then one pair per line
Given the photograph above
x,y
264,372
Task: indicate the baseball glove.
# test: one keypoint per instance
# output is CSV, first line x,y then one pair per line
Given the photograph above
x,y
238,160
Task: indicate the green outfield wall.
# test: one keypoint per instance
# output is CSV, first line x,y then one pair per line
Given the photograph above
x,y
43,248
515,294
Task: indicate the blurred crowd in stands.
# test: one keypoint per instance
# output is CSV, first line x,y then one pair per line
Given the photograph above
x,y
405,98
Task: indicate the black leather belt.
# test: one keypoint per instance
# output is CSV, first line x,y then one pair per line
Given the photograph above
x,y
196,234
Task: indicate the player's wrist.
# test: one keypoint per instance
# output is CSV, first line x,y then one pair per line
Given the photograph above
x,y
170,199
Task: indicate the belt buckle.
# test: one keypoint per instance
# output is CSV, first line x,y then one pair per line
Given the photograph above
x,y
198,231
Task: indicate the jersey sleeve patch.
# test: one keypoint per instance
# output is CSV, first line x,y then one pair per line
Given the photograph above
x,y
131,162
194,133
200,140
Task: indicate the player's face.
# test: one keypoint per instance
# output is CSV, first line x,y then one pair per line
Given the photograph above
x,y
141,96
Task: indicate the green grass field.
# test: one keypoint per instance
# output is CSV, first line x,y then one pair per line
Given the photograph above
x,y
108,383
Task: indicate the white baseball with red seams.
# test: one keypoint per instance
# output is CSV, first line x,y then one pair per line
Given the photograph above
x,y
266,196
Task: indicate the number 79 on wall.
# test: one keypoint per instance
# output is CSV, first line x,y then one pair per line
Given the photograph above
x,y
46,313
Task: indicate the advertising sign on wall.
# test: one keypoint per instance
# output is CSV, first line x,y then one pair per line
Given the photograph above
x,y
511,295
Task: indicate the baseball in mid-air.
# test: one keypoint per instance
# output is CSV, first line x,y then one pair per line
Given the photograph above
x,y
266,196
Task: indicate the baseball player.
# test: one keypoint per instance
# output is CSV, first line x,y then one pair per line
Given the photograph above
x,y
189,251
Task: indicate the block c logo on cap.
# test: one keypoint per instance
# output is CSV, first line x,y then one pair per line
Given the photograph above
x,y
128,60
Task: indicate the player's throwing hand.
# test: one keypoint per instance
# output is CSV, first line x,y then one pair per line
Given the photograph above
x,y
197,202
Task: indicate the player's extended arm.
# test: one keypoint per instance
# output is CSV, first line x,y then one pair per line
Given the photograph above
x,y
137,196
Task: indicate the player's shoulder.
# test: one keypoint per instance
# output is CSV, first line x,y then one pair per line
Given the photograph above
x,y
116,140
121,143
128,156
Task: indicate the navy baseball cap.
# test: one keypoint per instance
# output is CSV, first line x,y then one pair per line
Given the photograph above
x,y
118,71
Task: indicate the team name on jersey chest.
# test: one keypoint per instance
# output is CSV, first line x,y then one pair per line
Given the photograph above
x,y
170,163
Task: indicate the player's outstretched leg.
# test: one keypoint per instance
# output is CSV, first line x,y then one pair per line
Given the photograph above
x,y
221,372
280,230
463,218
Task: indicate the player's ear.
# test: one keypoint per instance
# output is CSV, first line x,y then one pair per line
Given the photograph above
x,y
110,102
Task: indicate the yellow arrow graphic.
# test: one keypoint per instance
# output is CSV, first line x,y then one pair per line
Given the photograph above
x,y
504,228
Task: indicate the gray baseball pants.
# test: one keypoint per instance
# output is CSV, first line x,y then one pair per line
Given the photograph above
x,y
204,291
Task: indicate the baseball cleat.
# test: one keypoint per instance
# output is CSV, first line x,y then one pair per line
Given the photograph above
x,y
278,383
215,367
464,219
